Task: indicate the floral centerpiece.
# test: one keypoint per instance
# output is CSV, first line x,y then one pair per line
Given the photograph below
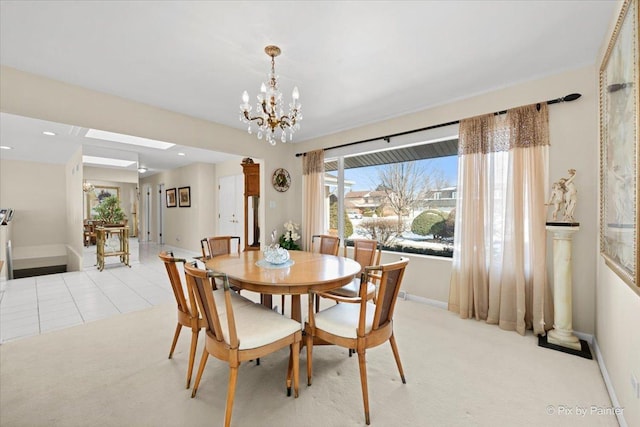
x,y
290,236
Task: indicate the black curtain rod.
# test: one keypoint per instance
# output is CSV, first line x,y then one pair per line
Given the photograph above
x,y
567,98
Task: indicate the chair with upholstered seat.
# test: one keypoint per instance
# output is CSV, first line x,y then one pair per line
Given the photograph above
x,y
239,334
187,310
323,244
188,314
358,322
366,252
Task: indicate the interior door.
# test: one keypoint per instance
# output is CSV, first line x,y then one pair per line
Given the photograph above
x,y
161,197
230,210
145,235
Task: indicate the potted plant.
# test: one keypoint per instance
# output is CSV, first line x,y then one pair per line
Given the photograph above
x,y
110,212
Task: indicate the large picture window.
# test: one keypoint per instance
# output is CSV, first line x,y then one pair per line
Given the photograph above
x,y
403,197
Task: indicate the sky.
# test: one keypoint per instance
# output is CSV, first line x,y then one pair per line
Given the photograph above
x,y
363,177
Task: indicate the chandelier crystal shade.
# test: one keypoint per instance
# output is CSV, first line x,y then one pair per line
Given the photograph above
x,y
270,119
87,186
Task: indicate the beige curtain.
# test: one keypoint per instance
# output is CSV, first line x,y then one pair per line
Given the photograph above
x,y
313,196
499,259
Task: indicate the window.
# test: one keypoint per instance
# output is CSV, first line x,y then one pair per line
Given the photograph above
x,y
403,197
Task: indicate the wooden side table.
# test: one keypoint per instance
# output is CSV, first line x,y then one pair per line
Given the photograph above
x,y
102,233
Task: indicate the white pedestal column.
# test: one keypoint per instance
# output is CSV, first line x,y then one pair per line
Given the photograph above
x,y
562,332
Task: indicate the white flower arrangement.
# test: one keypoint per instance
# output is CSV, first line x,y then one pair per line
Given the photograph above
x,y
290,236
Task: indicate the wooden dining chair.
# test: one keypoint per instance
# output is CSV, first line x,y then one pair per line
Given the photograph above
x,y
238,334
219,245
89,232
326,244
187,309
366,252
362,324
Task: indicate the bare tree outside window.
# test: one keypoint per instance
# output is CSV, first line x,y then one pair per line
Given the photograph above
x,y
403,183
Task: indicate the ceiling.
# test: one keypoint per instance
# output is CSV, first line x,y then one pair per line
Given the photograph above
x,y
25,135
355,62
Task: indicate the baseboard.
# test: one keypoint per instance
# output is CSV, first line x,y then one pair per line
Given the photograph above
x,y
587,337
166,247
428,301
607,382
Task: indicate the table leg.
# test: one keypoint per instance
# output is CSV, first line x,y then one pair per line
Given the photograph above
x,y
266,300
296,310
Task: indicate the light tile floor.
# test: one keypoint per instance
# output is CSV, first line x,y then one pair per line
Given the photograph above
x,y
36,305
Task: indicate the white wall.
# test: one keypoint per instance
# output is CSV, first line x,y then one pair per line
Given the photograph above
x,y
92,173
38,194
184,227
73,205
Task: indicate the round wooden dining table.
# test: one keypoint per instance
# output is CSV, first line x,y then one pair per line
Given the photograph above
x,y
304,272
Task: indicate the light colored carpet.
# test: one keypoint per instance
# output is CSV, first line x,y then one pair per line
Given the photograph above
x,y
115,372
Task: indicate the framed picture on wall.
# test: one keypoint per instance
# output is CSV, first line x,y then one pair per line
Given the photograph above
x,y
619,148
171,198
97,195
184,197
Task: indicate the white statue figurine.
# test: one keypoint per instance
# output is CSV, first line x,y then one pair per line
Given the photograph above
x,y
556,199
570,196
564,196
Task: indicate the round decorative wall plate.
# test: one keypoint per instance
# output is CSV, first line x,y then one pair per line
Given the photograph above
x,y
281,180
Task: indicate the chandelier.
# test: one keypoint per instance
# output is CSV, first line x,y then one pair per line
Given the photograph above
x,y
269,109
87,186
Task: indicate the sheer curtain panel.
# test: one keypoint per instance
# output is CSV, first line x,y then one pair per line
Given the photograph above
x,y
499,258
313,196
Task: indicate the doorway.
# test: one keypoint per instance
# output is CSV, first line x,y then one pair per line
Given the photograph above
x,y
147,197
230,208
160,214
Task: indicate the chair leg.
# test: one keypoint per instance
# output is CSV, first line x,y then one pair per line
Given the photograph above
x,y
289,370
296,368
282,301
309,357
192,354
317,303
362,361
231,393
203,362
175,340
394,347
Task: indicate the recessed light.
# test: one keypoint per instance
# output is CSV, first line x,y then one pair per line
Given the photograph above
x,y
128,139
142,170
105,161
181,154
5,147
49,133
